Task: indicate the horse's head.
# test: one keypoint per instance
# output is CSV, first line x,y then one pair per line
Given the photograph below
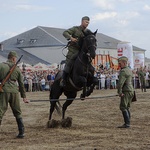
x,y
90,44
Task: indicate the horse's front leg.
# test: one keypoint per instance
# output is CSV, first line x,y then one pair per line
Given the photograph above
x,y
94,82
84,84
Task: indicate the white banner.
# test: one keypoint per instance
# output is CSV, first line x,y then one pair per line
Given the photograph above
x,y
125,49
138,60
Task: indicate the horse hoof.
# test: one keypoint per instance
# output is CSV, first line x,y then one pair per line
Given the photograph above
x,y
53,123
66,123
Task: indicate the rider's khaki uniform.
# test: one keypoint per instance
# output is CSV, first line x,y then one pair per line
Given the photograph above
x,y
73,48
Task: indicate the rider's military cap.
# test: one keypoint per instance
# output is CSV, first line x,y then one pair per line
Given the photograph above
x,y
86,18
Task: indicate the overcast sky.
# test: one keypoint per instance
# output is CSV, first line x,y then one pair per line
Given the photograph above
x,y
125,20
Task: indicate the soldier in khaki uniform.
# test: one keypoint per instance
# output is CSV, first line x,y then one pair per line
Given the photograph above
x,y
10,91
74,34
125,90
142,75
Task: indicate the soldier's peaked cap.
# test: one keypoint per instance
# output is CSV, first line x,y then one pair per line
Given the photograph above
x,y
12,54
123,58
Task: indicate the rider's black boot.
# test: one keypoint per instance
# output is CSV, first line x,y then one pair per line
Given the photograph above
x,y
64,79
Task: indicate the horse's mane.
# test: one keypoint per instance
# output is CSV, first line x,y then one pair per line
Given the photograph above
x,y
86,33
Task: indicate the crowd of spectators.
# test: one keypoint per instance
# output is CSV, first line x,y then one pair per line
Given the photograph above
x,y
38,80
108,79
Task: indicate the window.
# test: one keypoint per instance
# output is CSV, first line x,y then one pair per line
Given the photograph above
x,y
33,40
19,41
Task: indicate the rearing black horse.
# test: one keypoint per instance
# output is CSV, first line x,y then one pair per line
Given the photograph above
x,y
81,77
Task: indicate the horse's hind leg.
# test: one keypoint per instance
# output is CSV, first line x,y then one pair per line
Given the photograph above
x,y
65,105
55,93
58,106
71,95
53,104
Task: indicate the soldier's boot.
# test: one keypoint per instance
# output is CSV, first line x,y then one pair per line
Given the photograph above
x,y
142,88
64,79
20,128
126,117
0,125
129,114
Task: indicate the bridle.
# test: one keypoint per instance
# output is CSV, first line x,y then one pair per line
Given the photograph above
x,y
88,48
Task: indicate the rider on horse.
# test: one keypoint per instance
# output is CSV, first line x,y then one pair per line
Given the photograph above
x,y
75,36
81,76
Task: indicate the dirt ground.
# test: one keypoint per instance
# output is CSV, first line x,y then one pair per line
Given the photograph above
x,y
94,125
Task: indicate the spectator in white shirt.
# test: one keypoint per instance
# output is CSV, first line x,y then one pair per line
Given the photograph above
x,y
43,83
102,77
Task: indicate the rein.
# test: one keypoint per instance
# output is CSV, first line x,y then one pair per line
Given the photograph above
x,y
86,65
86,48
88,59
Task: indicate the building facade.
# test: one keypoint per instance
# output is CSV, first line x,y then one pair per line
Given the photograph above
x,y
46,45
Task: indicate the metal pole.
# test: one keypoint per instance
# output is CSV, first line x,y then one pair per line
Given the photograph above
x,y
63,99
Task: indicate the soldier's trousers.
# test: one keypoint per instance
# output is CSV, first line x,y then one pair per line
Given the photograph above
x,y
125,101
143,84
13,100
